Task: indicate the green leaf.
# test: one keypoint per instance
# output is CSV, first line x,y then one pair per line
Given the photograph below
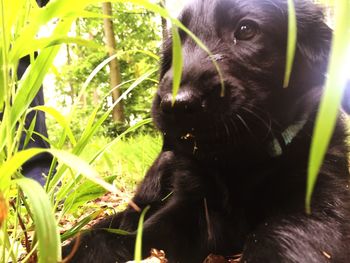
x,y
177,61
138,244
292,42
44,219
335,84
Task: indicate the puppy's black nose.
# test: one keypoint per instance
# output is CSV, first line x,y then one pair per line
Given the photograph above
x,y
186,102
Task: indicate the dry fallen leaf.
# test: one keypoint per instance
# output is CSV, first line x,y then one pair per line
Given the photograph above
x,y
157,256
3,209
221,259
215,259
235,258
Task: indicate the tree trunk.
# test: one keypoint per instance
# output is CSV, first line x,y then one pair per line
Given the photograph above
x,y
69,62
115,76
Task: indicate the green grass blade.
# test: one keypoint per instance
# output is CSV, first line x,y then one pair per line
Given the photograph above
x,y
46,230
134,51
89,133
46,42
41,16
292,42
33,78
61,120
29,132
63,191
177,61
138,243
8,168
11,11
84,168
3,85
164,13
88,81
117,231
13,164
4,46
129,130
84,193
335,83
78,226
31,84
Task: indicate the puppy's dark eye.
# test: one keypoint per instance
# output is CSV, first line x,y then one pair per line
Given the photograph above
x,y
246,30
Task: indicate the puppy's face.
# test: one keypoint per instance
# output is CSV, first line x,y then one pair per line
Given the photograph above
x,y
248,41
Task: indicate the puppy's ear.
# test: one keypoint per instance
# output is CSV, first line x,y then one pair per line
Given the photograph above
x,y
314,43
314,40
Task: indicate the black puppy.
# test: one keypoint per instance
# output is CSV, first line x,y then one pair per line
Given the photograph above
x,y
231,176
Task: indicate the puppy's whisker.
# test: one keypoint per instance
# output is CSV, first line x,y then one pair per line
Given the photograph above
x,y
268,125
235,134
263,114
226,129
245,125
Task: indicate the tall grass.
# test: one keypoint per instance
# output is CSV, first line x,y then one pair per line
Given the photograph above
x,y
32,207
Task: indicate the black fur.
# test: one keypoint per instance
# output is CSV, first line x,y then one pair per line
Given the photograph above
x,y
236,185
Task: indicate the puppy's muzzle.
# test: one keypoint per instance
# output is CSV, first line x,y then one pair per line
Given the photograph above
x,y
186,103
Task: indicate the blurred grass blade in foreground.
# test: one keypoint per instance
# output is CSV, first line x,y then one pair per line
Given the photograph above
x,y
46,229
335,83
292,42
